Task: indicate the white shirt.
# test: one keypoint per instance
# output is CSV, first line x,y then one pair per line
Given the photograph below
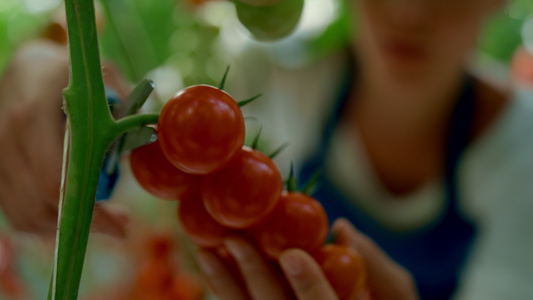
x,y
495,181
495,177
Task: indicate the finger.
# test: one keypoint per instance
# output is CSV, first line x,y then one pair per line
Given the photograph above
x,y
32,205
43,146
305,276
25,205
386,279
109,222
260,278
230,264
223,284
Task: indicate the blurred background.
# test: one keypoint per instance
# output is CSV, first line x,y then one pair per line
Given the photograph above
x,y
179,43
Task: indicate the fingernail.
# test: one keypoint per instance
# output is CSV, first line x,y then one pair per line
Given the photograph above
x,y
237,248
339,225
291,263
207,262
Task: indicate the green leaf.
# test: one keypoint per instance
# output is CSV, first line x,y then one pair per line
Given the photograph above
x,y
136,138
138,97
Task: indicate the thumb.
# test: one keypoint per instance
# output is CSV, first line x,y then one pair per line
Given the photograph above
x,y
109,221
305,276
386,278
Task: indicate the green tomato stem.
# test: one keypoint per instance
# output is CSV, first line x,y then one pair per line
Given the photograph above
x,y
90,131
130,122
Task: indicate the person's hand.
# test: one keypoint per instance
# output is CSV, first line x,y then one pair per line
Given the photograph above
x,y
262,280
385,278
32,127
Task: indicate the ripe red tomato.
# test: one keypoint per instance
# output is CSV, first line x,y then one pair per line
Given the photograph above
x,y
158,176
155,275
11,286
344,268
186,287
243,193
56,32
297,221
159,246
199,226
201,129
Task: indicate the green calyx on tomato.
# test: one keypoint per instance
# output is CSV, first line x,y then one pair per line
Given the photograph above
x,y
272,22
223,81
278,150
309,188
223,84
255,143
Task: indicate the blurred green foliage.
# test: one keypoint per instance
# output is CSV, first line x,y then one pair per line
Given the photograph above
x,y
17,24
502,36
141,35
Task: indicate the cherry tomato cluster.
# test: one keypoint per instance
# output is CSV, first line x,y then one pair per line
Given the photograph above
x,y
226,188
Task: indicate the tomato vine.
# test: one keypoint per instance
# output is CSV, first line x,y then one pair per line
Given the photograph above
x,y
90,131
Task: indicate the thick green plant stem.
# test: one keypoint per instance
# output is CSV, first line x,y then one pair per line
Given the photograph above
x,y
90,131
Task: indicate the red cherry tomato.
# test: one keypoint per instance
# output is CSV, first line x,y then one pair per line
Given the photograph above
x,y
243,193
297,221
186,287
154,276
159,246
199,226
158,176
201,129
56,32
345,270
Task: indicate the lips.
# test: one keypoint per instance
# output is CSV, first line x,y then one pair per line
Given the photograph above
x,y
404,51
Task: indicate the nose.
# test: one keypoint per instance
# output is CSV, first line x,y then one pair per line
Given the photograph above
x,y
411,14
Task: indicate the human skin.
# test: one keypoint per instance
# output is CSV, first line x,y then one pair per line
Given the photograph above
x,y
386,279
32,127
412,57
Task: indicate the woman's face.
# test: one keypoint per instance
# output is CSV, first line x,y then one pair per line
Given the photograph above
x,y
414,39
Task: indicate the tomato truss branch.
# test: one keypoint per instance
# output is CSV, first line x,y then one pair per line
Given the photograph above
x,y
90,131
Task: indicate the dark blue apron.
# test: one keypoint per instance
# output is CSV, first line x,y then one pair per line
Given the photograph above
x,y
435,254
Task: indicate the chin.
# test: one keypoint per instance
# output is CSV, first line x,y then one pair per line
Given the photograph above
x,y
407,73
